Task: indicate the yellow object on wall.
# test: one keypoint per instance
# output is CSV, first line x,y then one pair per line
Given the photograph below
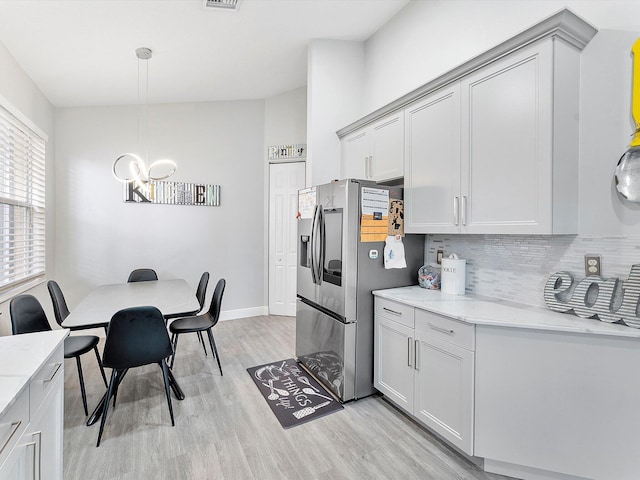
x,y
635,93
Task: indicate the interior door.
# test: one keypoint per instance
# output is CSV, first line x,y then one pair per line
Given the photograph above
x,y
285,179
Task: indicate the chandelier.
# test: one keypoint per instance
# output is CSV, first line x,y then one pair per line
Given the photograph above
x,y
131,167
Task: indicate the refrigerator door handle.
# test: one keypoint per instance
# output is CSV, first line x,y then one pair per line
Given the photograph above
x,y
317,231
312,245
322,245
314,242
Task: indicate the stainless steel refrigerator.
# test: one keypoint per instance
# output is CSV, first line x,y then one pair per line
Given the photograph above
x,y
337,271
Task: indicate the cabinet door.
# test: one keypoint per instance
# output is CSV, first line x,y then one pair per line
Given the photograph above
x,y
46,429
355,151
432,163
444,390
394,361
387,148
507,144
21,462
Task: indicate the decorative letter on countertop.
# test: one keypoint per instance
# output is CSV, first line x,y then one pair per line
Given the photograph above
x,y
559,297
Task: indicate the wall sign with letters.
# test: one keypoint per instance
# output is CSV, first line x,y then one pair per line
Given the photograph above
x,y
596,297
282,152
172,193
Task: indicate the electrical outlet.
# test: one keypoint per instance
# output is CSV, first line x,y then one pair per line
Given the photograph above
x,y
439,256
592,265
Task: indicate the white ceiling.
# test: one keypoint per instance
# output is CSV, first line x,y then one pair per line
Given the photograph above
x,y
82,52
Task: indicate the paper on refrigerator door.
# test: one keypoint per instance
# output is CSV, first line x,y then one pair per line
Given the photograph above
x,y
374,223
394,253
306,202
375,201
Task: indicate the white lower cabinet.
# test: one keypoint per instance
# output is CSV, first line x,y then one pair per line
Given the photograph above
x,y
424,363
36,420
395,379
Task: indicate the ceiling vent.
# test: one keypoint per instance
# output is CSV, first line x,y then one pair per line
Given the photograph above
x,y
222,4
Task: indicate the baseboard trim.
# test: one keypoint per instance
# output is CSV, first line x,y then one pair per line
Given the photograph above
x,y
526,473
244,313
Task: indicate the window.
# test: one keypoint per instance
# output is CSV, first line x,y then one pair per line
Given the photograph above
x,y
22,204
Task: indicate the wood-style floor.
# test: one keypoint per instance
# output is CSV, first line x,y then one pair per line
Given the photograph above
x,y
226,431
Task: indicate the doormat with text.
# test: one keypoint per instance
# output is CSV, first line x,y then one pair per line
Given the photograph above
x,y
293,395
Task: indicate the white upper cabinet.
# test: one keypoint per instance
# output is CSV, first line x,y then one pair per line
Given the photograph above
x,y
355,151
490,147
508,155
497,151
375,152
432,162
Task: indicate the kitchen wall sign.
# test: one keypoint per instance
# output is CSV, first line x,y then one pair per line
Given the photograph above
x,y
284,152
172,193
593,297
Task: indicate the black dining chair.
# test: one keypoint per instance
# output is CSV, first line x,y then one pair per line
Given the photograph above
x,y
136,336
200,323
27,316
142,275
201,293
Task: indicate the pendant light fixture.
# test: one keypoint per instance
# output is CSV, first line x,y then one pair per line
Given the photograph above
x,y
131,167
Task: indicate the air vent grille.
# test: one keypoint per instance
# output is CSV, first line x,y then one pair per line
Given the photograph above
x,y
222,4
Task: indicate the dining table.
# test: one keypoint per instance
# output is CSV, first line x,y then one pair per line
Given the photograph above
x,y
171,297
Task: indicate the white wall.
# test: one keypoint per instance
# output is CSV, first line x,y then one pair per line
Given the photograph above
x,y
20,95
334,82
285,118
100,239
428,38
285,122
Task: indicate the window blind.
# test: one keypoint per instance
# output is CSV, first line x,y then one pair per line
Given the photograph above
x,y
22,203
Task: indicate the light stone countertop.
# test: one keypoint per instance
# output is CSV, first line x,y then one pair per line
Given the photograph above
x,y
495,312
21,357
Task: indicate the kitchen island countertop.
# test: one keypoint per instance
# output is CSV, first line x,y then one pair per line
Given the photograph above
x,y
21,357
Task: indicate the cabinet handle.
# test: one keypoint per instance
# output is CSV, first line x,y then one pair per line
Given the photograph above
x,y
409,343
14,429
58,365
416,360
455,211
391,311
464,210
440,329
37,467
32,457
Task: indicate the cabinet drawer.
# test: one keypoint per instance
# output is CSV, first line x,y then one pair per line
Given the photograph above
x,y
13,423
447,329
395,311
44,380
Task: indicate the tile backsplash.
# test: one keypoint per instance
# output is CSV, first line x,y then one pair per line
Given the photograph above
x,y
516,267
